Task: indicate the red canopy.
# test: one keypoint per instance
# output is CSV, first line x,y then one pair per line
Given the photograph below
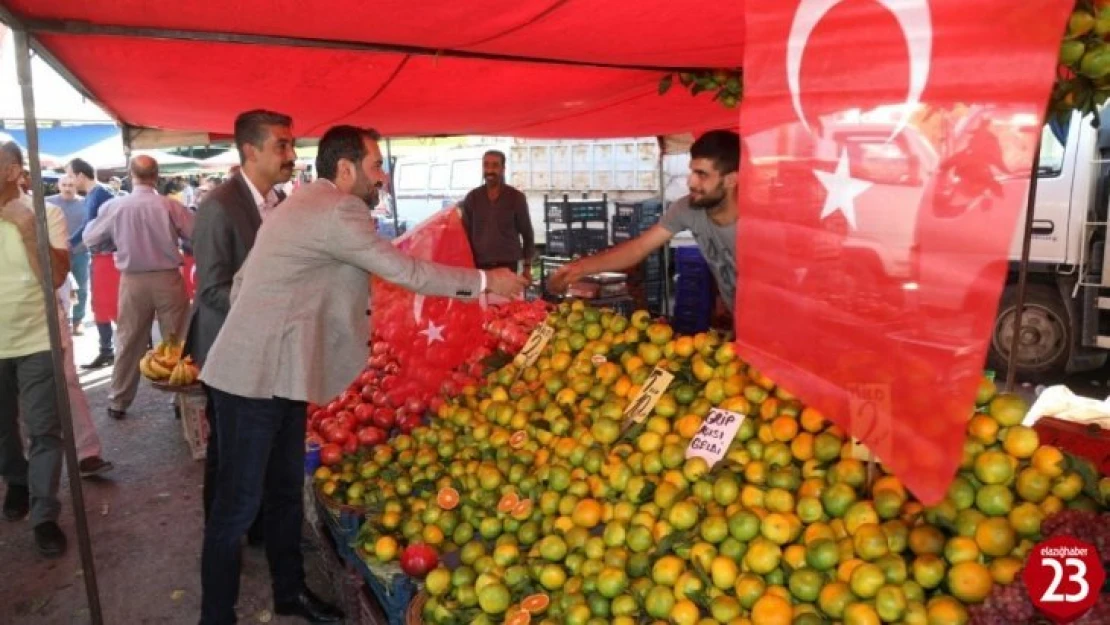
x,y
532,68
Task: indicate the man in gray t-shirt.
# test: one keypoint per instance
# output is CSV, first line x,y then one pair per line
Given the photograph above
x,y
709,212
73,206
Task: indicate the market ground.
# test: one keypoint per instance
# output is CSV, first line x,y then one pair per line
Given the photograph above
x,y
145,519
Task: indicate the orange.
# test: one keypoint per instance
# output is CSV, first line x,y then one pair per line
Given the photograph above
x,y
834,598
995,537
1026,519
1049,461
926,539
928,571
1008,409
961,549
587,513
861,614
993,467
1021,441
944,610
448,498
870,542
983,429
866,580
749,588
812,420
772,610
970,582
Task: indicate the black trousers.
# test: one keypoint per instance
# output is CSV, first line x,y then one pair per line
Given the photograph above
x,y
261,465
211,463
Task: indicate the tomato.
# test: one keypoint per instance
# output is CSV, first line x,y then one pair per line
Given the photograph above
x,y
331,454
379,398
345,420
379,348
397,397
435,403
370,436
418,559
389,383
351,399
366,377
338,435
363,413
384,418
408,423
326,424
415,405
335,406
367,392
392,368
351,446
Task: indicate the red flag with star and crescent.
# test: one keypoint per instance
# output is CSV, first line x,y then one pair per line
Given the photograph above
x,y
887,155
430,335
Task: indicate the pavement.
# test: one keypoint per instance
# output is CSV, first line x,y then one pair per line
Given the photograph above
x,y
146,523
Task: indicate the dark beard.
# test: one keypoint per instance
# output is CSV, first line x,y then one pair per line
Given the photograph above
x,y
707,202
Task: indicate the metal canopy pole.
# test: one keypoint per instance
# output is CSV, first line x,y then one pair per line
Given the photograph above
x,y
392,186
61,395
1023,271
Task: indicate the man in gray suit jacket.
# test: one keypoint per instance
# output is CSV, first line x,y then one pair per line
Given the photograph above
x,y
227,221
297,332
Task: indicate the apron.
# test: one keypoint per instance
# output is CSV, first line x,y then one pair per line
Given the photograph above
x,y
105,288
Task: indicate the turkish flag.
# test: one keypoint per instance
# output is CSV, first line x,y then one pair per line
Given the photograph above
x,y
430,335
887,154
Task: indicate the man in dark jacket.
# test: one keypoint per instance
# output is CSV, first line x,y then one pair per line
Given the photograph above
x,y
226,224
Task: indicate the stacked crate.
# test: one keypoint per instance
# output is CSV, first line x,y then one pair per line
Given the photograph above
x,y
694,297
576,227
646,282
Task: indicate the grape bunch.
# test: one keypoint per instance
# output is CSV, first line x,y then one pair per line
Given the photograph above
x,y
1006,605
1090,527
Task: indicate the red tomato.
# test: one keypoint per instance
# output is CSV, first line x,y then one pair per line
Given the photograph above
x,y
418,559
408,423
384,418
338,435
363,413
367,377
335,406
379,398
379,348
371,436
368,392
379,361
415,405
345,420
389,383
351,399
351,446
331,454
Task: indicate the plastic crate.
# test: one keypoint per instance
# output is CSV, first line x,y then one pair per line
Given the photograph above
x,y
1087,441
623,304
566,210
342,523
392,589
631,219
576,241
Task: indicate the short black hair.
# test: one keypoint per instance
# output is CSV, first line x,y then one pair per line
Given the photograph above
x,y
13,152
250,127
720,146
498,153
341,142
81,166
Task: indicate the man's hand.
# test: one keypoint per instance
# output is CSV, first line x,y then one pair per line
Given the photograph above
x,y
564,277
505,283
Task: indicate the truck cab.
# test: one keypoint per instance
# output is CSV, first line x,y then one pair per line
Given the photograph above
x,y
1065,326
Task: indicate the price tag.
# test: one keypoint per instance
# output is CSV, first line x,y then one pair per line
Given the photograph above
x,y
716,434
532,349
644,401
1064,577
869,408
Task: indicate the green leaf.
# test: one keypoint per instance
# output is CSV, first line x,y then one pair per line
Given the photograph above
x,y
665,84
647,494
702,575
675,540
699,598
1086,470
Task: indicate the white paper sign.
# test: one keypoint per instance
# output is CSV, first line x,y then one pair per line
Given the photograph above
x,y
716,434
644,402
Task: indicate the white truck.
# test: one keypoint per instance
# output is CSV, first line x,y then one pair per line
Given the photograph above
x,y
624,169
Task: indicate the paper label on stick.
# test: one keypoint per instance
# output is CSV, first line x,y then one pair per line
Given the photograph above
x,y
532,349
713,439
644,401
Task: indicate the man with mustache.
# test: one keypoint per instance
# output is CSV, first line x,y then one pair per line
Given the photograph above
x,y
297,332
146,229
709,212
228,218
497,222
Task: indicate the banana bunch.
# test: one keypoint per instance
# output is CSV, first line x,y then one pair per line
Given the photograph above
x,y
164,362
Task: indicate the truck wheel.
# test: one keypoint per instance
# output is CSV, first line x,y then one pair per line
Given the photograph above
x,y
1045,332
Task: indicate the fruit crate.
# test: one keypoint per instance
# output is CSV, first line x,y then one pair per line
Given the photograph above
x,y
568,211
1086,441
576,241
690,263
191,408
342,523
388,584
631,219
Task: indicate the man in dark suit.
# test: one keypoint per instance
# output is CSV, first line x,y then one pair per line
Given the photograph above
x,y
226,224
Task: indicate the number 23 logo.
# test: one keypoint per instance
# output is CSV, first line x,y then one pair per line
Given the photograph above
x,y
1079,577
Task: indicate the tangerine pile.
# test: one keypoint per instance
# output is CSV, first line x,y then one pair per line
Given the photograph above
x,y
547,511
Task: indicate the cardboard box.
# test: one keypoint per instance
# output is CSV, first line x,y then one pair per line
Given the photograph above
x,y
191,407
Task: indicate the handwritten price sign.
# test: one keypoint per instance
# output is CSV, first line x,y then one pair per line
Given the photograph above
x,y
644,401
1064,576
716,434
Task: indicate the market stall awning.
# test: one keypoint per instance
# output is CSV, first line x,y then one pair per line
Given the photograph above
x,y
67,139
571,68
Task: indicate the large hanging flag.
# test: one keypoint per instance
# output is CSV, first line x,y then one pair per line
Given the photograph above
x,y
430,335
888,147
